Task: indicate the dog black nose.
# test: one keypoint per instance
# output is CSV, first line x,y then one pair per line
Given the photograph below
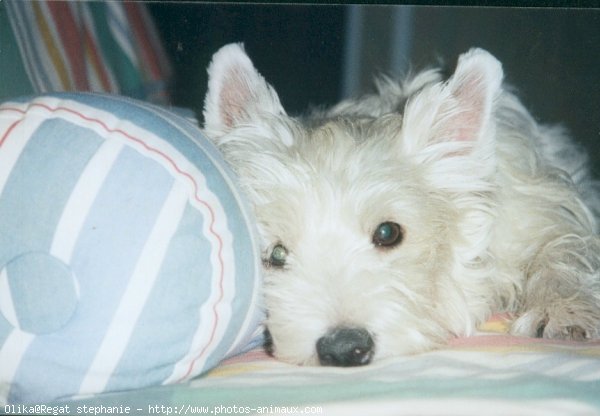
x,y
345,347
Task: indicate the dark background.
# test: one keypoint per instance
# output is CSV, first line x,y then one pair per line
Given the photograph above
x,y
297,48
318,54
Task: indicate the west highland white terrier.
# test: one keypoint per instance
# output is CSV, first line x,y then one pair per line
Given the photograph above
x,y
393,222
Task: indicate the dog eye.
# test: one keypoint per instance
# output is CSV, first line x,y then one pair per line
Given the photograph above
x,y
278,256
388,234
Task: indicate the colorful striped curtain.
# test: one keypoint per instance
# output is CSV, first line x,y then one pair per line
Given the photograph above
x,y
112,47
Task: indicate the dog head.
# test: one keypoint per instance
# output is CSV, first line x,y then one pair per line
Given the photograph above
x,y
372,217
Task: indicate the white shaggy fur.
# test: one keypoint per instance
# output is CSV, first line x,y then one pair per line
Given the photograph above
x,y
497,212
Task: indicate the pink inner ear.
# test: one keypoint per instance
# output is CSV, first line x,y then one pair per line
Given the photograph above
x,y
234,98
470,107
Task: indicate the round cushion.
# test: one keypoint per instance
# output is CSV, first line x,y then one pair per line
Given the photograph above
x,y
127,254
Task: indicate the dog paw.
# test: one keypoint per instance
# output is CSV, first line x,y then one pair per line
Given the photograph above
x,y
569,332
560,324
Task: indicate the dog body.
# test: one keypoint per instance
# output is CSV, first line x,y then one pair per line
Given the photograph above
x,y
393,222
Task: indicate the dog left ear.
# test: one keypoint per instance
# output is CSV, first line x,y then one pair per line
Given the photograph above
x,y
237,93
457,114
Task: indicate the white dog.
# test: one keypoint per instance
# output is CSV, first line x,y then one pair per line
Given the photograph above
x,y
395,221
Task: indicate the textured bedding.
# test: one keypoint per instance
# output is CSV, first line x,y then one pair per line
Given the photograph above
x,y
490,373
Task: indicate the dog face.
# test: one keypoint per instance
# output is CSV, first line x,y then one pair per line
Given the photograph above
x,y
365,213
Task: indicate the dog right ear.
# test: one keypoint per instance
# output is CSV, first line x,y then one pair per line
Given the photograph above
x,y
457,116
237,93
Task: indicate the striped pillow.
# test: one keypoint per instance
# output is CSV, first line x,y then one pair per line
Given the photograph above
x,y
97,46
127,258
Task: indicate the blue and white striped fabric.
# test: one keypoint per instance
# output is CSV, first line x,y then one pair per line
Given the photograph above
x,y
127,257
